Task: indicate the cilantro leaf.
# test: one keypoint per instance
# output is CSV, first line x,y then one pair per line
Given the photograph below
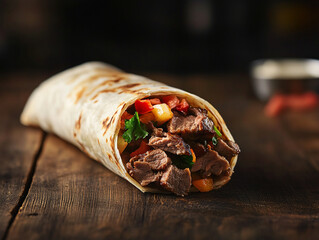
x,y
134,129
184,161
217,131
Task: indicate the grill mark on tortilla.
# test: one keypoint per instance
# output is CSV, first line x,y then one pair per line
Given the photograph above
x,y
108,124
104,122
123,103
75,76
96,101
104,74
108,82
78,122
123,89
112,143
128,86
109,156
98,141
79,94
118,165
113,118
74,134
134,91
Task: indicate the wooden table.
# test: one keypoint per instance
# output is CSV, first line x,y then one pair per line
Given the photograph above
x,y
51,190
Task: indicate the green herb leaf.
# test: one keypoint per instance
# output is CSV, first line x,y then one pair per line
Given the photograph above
x,y
217,131
134,129
215,141
184,161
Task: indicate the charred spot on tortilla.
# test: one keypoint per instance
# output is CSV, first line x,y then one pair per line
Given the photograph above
x,y
78,74
107,82
117,79
74,134
137,91
123,105
113,118
78,122
98,141
107,127
79,94
116,111
104,123
112,143
96,101
128,86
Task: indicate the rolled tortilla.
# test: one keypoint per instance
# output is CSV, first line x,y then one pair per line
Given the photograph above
x,y
83,105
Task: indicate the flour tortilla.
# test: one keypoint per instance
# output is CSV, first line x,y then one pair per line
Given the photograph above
x,y
83,105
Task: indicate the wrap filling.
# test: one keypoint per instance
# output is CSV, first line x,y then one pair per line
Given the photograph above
x,y
166,143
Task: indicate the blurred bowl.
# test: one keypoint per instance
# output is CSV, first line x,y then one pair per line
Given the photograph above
x,y
284,76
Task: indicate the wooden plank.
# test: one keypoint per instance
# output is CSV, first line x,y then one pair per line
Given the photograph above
x,y
18,147
73,196
273,193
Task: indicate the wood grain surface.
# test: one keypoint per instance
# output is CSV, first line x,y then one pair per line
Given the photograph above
x,y
54,191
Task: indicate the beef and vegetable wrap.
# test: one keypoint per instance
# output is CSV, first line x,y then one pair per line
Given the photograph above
x,y
159,138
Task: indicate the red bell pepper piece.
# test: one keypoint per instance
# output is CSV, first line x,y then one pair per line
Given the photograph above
x,y
155,101
171,101
143,106
183,106
143,148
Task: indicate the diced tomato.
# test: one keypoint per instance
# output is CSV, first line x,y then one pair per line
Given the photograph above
x,y
124,117
143,106
275,106
183,106
155,101
171,101
143,148
147,117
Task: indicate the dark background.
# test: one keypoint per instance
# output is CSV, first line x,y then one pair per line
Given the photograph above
x,y
189,36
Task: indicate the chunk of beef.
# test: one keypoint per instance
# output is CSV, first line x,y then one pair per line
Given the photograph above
x,y
198,148
176,180
195,126
157,159
143,167
169,142
142,172
227,149
211,163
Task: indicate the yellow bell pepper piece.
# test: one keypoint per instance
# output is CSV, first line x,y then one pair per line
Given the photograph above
x,y
162,113
121,144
